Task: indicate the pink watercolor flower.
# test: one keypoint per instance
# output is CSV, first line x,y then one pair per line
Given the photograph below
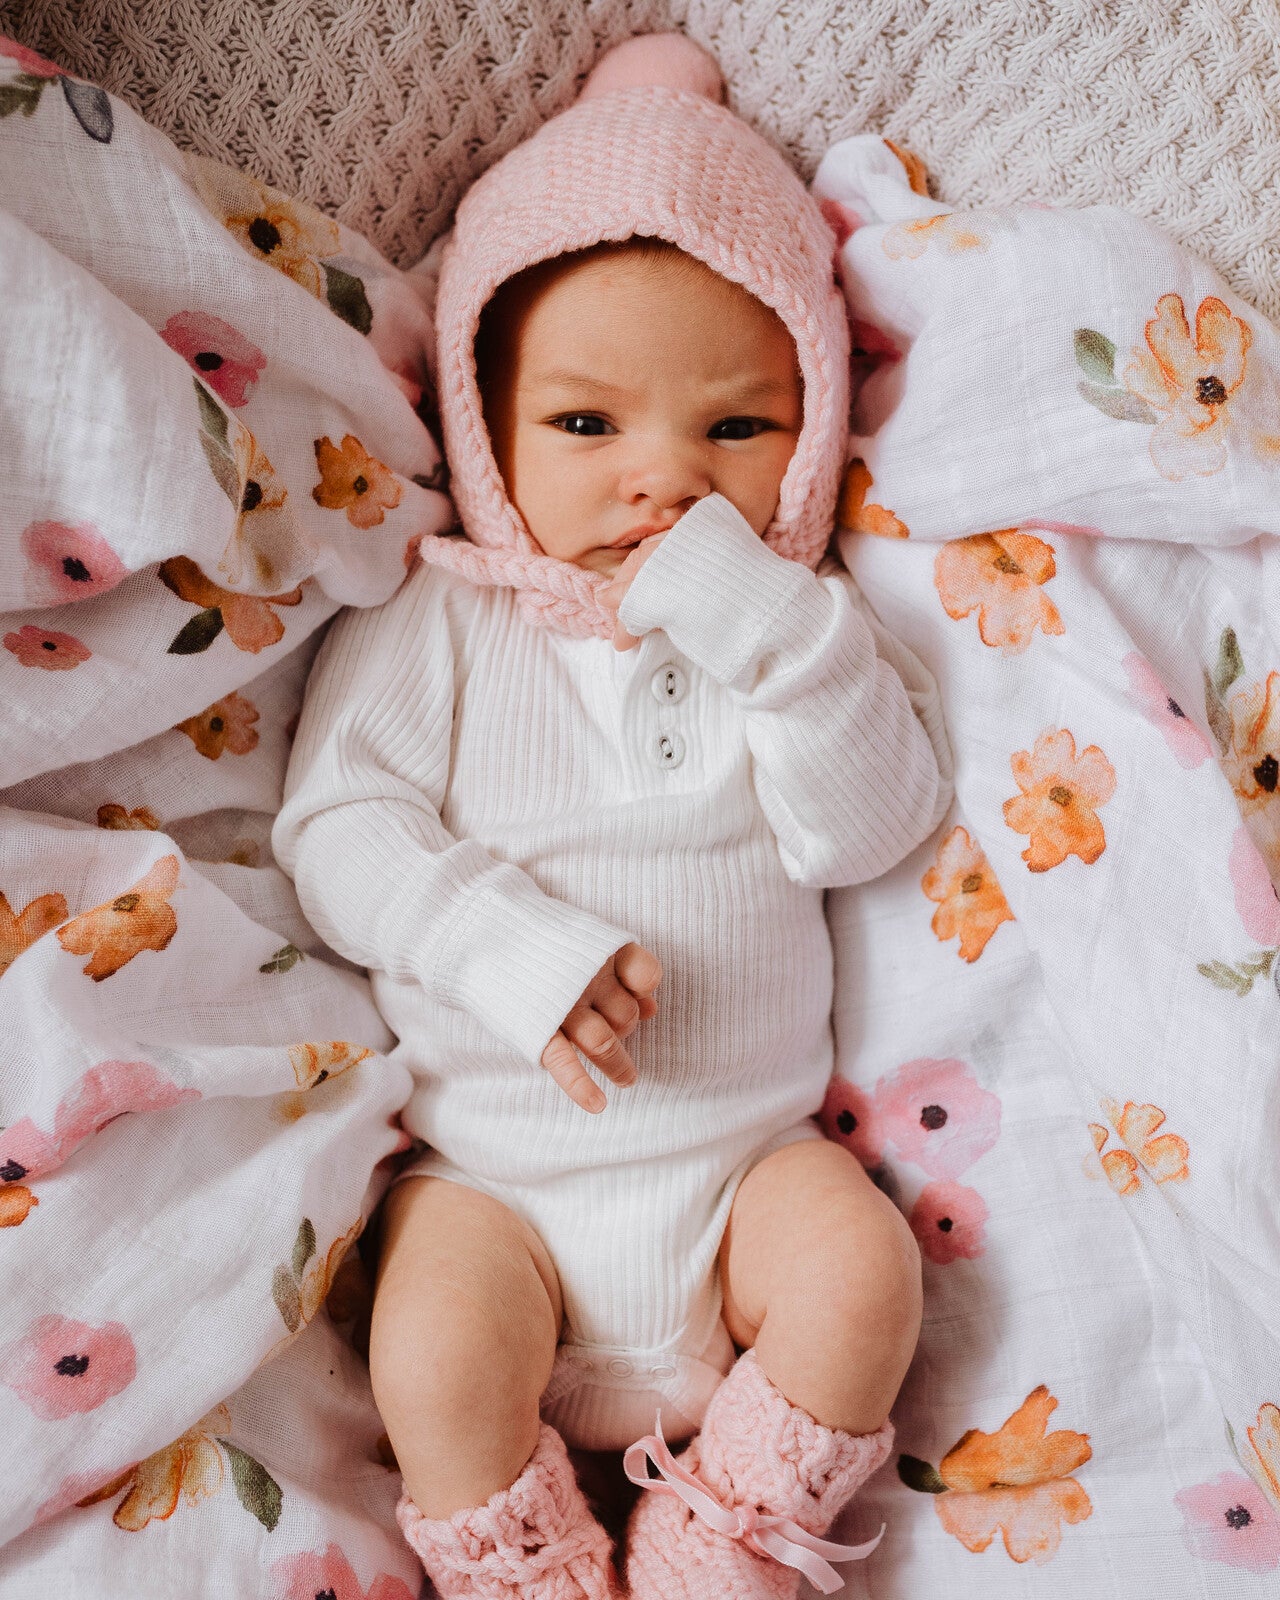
x,y
1256,899
949,1221
37,65
328,1572
101,1094
843,220
1230,1520
849,1117
42,647
60,1367
225,359
938,1115
71,563
1188,744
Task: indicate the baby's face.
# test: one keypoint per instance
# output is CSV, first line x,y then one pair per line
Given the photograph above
x,y
632,386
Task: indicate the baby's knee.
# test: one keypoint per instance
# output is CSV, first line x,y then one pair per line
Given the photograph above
x,y
865,1274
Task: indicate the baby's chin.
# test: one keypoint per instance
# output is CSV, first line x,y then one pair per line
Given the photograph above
x,y
605,560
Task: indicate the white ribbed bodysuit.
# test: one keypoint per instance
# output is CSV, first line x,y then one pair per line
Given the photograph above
x,y
482,810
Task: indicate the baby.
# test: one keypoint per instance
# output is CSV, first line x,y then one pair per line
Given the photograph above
x,y
613,747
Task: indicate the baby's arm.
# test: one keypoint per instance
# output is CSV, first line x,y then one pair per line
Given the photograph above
x,y
851,774
388,886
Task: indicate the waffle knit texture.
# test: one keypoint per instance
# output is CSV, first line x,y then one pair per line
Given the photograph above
x,y
662,163
755,1449
536,1540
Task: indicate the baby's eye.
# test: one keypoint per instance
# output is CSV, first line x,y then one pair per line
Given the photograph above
x,y
582,424
738,428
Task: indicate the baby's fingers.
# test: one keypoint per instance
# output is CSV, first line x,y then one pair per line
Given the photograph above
x,y
593,1035
561,1060
638,970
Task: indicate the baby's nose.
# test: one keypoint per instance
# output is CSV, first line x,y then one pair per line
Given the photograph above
x,y
666,474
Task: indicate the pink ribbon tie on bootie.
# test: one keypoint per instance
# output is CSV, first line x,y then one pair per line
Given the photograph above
x,y
776,1537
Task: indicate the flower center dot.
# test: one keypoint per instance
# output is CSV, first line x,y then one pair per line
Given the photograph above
x,y
971,884
945,1224
265,236
252,496
1267,772
208,360
76,570
326,1594
1175,709
846,1122
71,1366
47,644
360,484
1237,1517
933,1118
1006,563
126,902
1210,391
12,1171
216,724
1060,795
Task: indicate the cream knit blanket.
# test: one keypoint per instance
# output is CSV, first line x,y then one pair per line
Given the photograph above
x,y
382,111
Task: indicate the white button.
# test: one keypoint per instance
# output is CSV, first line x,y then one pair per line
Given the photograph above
x,y
620,1368
662,1372
668,684
668,749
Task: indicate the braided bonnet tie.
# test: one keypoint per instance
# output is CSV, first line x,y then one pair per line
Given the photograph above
x,y
549,591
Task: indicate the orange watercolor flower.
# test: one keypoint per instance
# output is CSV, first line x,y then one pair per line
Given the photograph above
x,y
314,1063
1000,574
917,174
116,818
970,901
288,235
351,480
1252,762
1016,1482
1164,1157
320,1273
854,513
16,1201
190,1468
225,725
1191,383
19,930
912,238
116,931
1057,806
250,622
266,535
1264,1436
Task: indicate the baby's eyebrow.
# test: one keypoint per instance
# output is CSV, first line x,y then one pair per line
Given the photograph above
x,y
565,378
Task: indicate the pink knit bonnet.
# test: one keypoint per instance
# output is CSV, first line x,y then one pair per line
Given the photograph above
x,y
638,158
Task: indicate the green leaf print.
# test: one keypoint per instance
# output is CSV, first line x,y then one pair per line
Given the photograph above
x,y
1118,403
198,634
304,1246
213,419
284,1291
255,1488
286,957
91,108
919,1475
345,294
1230,661
1096,356
23,94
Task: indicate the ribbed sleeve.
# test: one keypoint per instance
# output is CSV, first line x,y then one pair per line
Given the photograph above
x,y
381,877
845,771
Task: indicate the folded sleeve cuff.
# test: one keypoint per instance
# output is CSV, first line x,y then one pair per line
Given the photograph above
x,y
715,589
519,960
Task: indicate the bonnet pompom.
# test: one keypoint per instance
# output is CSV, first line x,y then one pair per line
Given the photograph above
x,y
666,60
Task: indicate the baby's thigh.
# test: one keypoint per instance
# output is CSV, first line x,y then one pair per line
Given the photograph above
x,y
465,1286
811,1239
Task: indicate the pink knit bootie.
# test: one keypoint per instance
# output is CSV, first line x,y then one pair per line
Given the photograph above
x,y
534,1541
737,1516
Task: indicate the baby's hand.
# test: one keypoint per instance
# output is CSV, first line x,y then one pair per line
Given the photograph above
x,y
613,594
617,998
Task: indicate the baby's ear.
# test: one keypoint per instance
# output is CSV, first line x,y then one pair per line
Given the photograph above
x,y
658,60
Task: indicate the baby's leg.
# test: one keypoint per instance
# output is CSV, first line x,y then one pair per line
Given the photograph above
x,y
465,1324
821,1276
